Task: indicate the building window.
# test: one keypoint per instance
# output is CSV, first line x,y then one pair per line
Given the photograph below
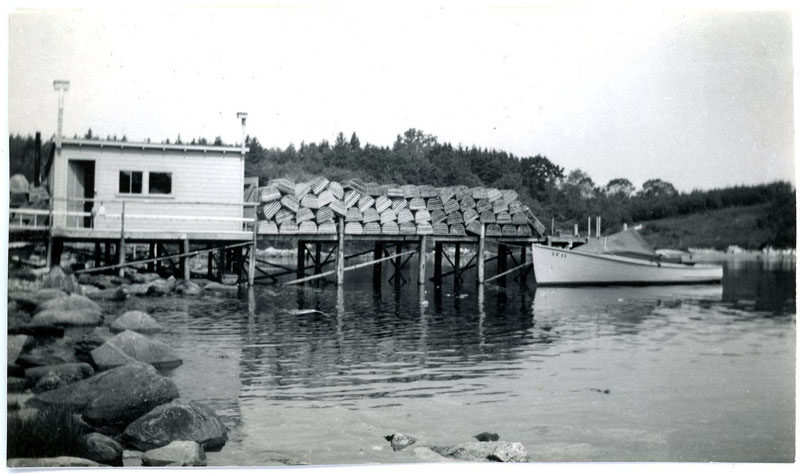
x,y
160,183
130,182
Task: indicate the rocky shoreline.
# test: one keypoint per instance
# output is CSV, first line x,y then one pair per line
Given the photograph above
x,y
102,376
65,354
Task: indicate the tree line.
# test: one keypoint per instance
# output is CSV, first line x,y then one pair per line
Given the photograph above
x,y
419,158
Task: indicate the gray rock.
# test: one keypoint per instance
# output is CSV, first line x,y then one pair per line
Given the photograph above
x,y
109,356
61,280
188,288
60,461
16,384
477,451
137,289
101,448
78,369
15,346
50,354
89,290
509,452
138,321
177,453
428,455
175,421
214,286
159,288
57,317
143,349
229,279
70,303
148,277
29,301
486,436
54,376
106,281
171,281
114,398
131,458
89,342
400,441
109,294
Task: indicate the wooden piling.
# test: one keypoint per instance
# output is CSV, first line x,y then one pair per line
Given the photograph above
x,y
457,264
318,258
185,263
481,248
502,262
210,265
301,259
151,267
340,253
423,241
97,252
251,268
377,268
437,265
121,250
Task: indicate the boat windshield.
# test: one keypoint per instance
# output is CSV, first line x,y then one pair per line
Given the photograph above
x,y
626,243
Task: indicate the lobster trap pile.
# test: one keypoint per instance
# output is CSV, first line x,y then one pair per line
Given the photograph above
x,y
289,208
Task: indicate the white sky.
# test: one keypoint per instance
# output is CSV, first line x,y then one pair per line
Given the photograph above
x,y
699,98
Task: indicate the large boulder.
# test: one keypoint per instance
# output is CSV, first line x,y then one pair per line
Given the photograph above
x,y
143,349
138,321
30,300
56,317
15,346
70,303
61,280
114,398
91,341
101,448
60,461
109,356
175,421
53,376
477,451
177,453
49,354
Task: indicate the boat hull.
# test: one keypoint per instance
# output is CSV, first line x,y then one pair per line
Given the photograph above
x,y
555,266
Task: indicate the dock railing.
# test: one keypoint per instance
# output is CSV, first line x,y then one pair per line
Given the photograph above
x,y
134,215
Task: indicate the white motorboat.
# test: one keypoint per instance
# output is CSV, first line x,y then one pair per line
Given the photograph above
x,y
624,258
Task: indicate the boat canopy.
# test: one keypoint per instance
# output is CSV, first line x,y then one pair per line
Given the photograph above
x,y
626,243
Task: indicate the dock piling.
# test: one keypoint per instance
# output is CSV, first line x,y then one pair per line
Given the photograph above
x,y
481,248
437,265
340,253
422,246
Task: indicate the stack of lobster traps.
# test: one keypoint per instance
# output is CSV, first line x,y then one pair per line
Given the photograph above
x,y
289,208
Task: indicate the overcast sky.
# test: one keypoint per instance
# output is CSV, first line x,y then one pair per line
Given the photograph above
x,y
699,98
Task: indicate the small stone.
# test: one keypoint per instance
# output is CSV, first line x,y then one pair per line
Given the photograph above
x,y
143,349
486,436
109,294
131,458
509,452
176,453
101,448
229,279
214,286
400,441
188,288
159,288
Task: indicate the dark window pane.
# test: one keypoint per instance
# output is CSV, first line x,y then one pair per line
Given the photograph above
x,y
125,182
160,183
136,182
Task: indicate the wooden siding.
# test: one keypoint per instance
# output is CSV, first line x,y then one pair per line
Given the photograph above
x,y
197,176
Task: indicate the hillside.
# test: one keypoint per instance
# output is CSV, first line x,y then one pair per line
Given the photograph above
x,y
744,226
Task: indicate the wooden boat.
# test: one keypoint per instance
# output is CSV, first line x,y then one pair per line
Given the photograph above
x,y
619,259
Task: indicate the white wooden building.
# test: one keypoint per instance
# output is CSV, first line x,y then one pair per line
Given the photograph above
x,y
165,188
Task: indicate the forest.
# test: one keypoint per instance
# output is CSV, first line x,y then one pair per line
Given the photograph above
x,y
567,197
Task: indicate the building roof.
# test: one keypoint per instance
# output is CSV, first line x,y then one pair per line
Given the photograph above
x,y
80,143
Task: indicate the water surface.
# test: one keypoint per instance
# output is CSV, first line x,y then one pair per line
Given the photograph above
x,y
672,373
